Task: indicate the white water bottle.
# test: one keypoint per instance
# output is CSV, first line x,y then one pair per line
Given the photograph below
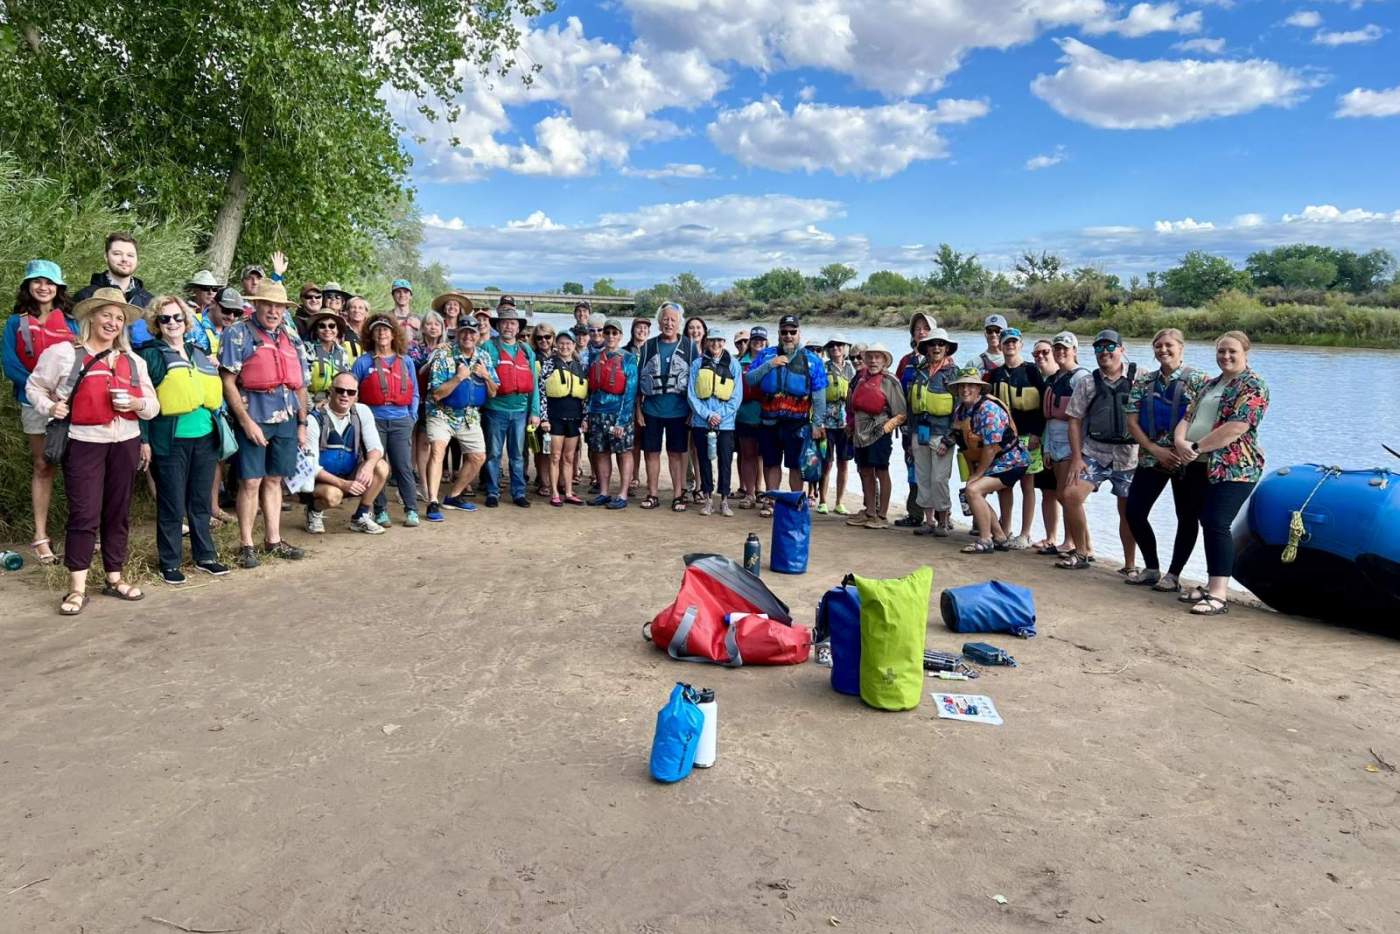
x,y
705,755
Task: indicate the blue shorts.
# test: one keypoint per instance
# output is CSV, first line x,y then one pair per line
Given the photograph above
x,y
600,433
782,442
838,445
1096,473
277,459
1055,441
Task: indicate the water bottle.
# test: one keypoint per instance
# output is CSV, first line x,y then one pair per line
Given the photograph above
x,y
13,560
966,506
753,554
544,442
705,755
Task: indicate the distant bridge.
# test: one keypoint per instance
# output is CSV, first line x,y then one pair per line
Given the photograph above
x,y
528,299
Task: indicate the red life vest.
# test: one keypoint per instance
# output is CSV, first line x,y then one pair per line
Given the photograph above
x,y
607,375
869,396
513,371
273,363
1055,402
92,402
391,385
33,338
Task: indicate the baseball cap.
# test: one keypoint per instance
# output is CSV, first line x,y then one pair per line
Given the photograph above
x,y
610,325
715,334
401,284
505,300
230,299
789,321
995,321
1108,334
252,269
566,335
467,323
759,333
1011,334
1065,339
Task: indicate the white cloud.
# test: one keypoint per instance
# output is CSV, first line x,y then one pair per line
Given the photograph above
x,y
1305,19
538,220
1186,225
1109,230
1118,93
1146,18
671,170
1331,214
1363,102
1250,220
1368,33
874,142
1045,160
808,93
1202,45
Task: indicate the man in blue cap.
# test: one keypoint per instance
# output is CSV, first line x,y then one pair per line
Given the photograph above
x,y
402,292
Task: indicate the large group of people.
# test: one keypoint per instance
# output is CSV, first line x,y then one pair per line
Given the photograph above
x,y
244,397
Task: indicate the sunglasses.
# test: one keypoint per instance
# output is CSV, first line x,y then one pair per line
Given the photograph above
x,y
315,295
342,391
1105,347
595,330
993,330
787,333
1040,353
544,337
327,326
169,319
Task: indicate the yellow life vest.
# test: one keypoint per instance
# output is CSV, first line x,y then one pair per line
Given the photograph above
x,y
325,367
188,384
565,383
714,380
924,401
1017,398
838,388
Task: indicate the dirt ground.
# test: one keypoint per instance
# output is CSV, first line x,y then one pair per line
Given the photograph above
x,y
447,729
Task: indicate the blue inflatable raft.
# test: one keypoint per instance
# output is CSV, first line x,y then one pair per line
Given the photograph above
x,y
1345,562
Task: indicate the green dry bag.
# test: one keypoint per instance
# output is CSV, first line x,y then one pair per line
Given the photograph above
x,y
893,618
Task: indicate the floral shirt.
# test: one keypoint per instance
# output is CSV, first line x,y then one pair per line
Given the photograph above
x,y
1142,388
1244,399
442,366
990,422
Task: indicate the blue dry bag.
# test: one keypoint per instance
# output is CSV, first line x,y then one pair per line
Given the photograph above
x,y
838,619
792,532
995,606
678,727
811,460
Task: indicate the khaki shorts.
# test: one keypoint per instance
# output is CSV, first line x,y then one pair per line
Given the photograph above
x,y
31,422
468,436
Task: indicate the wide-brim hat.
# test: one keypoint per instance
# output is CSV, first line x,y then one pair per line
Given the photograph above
x,y
939,334
273,293
204,279
333,288
880,348
320,316
441,302
837,338
509,312
969,377
101,299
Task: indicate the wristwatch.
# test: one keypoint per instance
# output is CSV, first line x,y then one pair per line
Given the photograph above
x,y
1196,446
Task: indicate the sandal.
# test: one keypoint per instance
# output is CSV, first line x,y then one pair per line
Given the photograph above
x,y
1167,584
1128,570
979,547
114,589
766,511
573,500
678,504
1073,561
47,559
1213,606
648,502
1143,577
1003,544
1194,595
73,604
556,501
1049,549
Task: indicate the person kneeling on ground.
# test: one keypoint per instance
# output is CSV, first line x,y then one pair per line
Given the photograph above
x,y
341,437
996,456
877,408
461,377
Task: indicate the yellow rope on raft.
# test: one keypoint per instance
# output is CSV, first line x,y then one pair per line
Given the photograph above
x,y
1296,529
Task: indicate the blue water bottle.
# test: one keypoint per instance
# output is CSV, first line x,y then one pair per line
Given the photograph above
x,y
753,554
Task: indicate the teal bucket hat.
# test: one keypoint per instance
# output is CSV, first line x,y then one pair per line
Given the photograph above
x,y
44,269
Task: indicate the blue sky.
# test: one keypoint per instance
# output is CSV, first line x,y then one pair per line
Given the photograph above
x,y
726,137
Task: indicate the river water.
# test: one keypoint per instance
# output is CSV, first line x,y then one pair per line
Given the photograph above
x,y
1333,406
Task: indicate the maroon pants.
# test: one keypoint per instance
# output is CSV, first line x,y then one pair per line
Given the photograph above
x,y
98,479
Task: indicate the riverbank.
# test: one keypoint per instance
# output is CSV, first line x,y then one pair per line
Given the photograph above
x,y
447,728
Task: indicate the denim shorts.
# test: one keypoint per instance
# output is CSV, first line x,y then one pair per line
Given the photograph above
x,y
1096,473
1055,441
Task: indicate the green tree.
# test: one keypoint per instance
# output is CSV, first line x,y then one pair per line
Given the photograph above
x,y
1033,269
606,287
1309,266
834,276
779,283
958,273
265,122
885,282
572,288
1199,278
687,288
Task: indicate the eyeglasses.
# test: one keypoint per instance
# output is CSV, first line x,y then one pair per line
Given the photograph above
x,y
342,391
1105,347
169,319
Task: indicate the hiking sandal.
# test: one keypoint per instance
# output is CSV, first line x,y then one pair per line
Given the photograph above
x,y
1213,606
1073,561
1167,583
1143,577
766,510
649,502
115,589
73,604
678,504
47,559
1194,595
979,548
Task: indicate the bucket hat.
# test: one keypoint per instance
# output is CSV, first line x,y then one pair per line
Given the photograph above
x,y
101,299
879,348
204,279
44,269
320,316
938,334
969,376
333,288
837,338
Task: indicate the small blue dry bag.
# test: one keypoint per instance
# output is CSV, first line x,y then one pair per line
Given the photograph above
x,y
792,532
678,727
838,619
995,606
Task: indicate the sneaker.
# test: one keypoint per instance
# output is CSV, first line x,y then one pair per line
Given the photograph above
x,y
410,518
434,513
459,502
907,522
875,522
382,517
821,509
315,522
247,559
172,576
284,551
708,509
840,510
363,523
859,518
941,531
724,509
492,501
522,502
1019,543
212,568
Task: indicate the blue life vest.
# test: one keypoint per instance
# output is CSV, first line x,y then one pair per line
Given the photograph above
x,y
1165,405
791,380
341,453
469,394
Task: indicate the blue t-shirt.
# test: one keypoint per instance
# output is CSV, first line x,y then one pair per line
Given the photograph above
x,y
669,405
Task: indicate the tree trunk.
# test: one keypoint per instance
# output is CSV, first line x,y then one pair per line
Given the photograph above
x,y
228,223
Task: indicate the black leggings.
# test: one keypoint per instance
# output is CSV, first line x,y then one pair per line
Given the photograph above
x,y
724,454
1188,492
1222,504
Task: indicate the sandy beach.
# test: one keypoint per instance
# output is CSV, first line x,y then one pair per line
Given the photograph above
x,y
447,729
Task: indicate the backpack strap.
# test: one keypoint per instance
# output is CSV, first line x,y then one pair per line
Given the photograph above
x,y
676,647
25,335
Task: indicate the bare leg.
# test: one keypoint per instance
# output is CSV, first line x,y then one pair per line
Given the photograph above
x,y
1125,534
270,492
247,508
40,492
570,459
437,452
675,466
1027,507
882,474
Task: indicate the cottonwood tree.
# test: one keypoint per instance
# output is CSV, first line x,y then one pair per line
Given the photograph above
x,y
264,120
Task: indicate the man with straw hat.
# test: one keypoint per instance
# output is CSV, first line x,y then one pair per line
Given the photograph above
x,y
265,374
515,404
996,457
